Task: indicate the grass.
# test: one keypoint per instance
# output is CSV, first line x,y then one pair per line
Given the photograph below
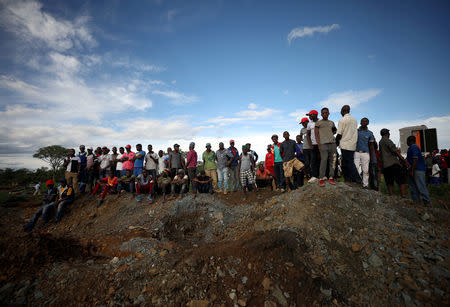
x,y
5,197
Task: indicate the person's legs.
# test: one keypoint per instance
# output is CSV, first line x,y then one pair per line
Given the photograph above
x,y
315,162
331,149
172,189
220,179
214,178
138,189
106,189
358,162
68,177
243,179
97,186
307,156
413,189
373,176
61,206
46,212
234,172
323,161
420,180
348,166
192,172
365,160
30,225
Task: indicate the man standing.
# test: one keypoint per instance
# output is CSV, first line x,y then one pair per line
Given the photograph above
x,y
224,159
91,162
269,161
364,151
278,164
83,175
347,136
114,156
307,147
119,163
192,163
209,164
246,167
151,161
105,163
73,165
128,159
417,181
390,162
176,161
138,160
234,171
313,154
299,177
252,152
161,162
327,147
287,151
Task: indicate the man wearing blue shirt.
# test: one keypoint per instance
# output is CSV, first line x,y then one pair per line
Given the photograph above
x,y
138,160
364,151
416,180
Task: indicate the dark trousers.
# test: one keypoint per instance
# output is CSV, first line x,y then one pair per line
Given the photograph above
x,y
126,186
44,210
312,161
279,175
203,187
298,178
348,166
373,176
192,173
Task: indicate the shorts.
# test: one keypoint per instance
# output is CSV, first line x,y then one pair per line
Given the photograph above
x,y
247,175
290,165
395,173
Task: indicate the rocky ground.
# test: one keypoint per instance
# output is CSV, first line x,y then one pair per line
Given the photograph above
x,y
336,245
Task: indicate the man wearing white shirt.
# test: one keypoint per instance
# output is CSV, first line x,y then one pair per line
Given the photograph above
x,y
312,155
151,161
347,136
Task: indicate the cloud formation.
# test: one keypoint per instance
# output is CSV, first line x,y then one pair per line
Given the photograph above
x,y
310,31
352,98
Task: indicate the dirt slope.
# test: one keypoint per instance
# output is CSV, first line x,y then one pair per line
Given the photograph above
x,y
315,246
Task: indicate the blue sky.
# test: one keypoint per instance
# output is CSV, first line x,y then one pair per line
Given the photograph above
x,y
161,71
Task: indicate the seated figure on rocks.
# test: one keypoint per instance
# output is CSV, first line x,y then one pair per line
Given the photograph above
x,y
49,198
203,184
144,185
164,182
179,184
127,182
109,185
264,177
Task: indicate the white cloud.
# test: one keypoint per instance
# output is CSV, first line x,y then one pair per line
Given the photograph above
x,y
286,92
171,14
353,98
309,31
176,98
299,114
252,106
28,21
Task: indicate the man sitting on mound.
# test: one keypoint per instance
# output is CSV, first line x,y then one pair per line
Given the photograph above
x,y
109,185
203,184
49,199
126,182
144,185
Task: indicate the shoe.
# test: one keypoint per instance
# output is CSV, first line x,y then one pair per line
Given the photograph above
x,y
139,198
282,190
219,191
225,192
99,203
149,197
312,180
321,183
331,181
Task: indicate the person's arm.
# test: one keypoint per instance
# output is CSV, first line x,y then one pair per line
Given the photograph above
x,y
316,134
188,158
229,158
183,163
308,136
239,164
413,167
66,161
252,163
170,161
371,151
256,156
79,166
154,159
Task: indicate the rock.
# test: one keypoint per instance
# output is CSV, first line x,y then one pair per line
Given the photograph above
x,y
242,302
38,295
270,304
407,299
267,284
375,261
356,247
114,260
139,300
7,289
153,272
425,217
90,262
244,280
198,303
279,296
326,235
326,292
365,265
219,272
232,295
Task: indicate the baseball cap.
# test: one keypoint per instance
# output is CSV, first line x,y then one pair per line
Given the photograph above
x,y
90,148
192,144
176,145
304,119
49,182
208,144
312,112
231,141
384,131
244,146
128,146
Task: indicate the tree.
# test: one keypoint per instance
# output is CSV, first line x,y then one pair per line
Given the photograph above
x,y
53,155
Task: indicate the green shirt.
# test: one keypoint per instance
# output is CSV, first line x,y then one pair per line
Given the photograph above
x,y
276,153
210,160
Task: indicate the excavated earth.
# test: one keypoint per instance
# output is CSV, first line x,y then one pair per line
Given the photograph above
x,y
331,246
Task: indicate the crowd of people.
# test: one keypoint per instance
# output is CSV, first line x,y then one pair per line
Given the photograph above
x,y
312,156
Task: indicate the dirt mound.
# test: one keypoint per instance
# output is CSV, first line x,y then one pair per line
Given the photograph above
x,y
335,245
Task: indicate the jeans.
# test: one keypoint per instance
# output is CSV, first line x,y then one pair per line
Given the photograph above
x,y
418,187
222,174
362,160
279,175
234,176
203,188
348,166
44,211
137,170
327,159
60,209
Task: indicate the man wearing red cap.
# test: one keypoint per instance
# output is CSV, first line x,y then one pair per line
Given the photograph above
x,y
307,147
49,198
313,154
127,159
